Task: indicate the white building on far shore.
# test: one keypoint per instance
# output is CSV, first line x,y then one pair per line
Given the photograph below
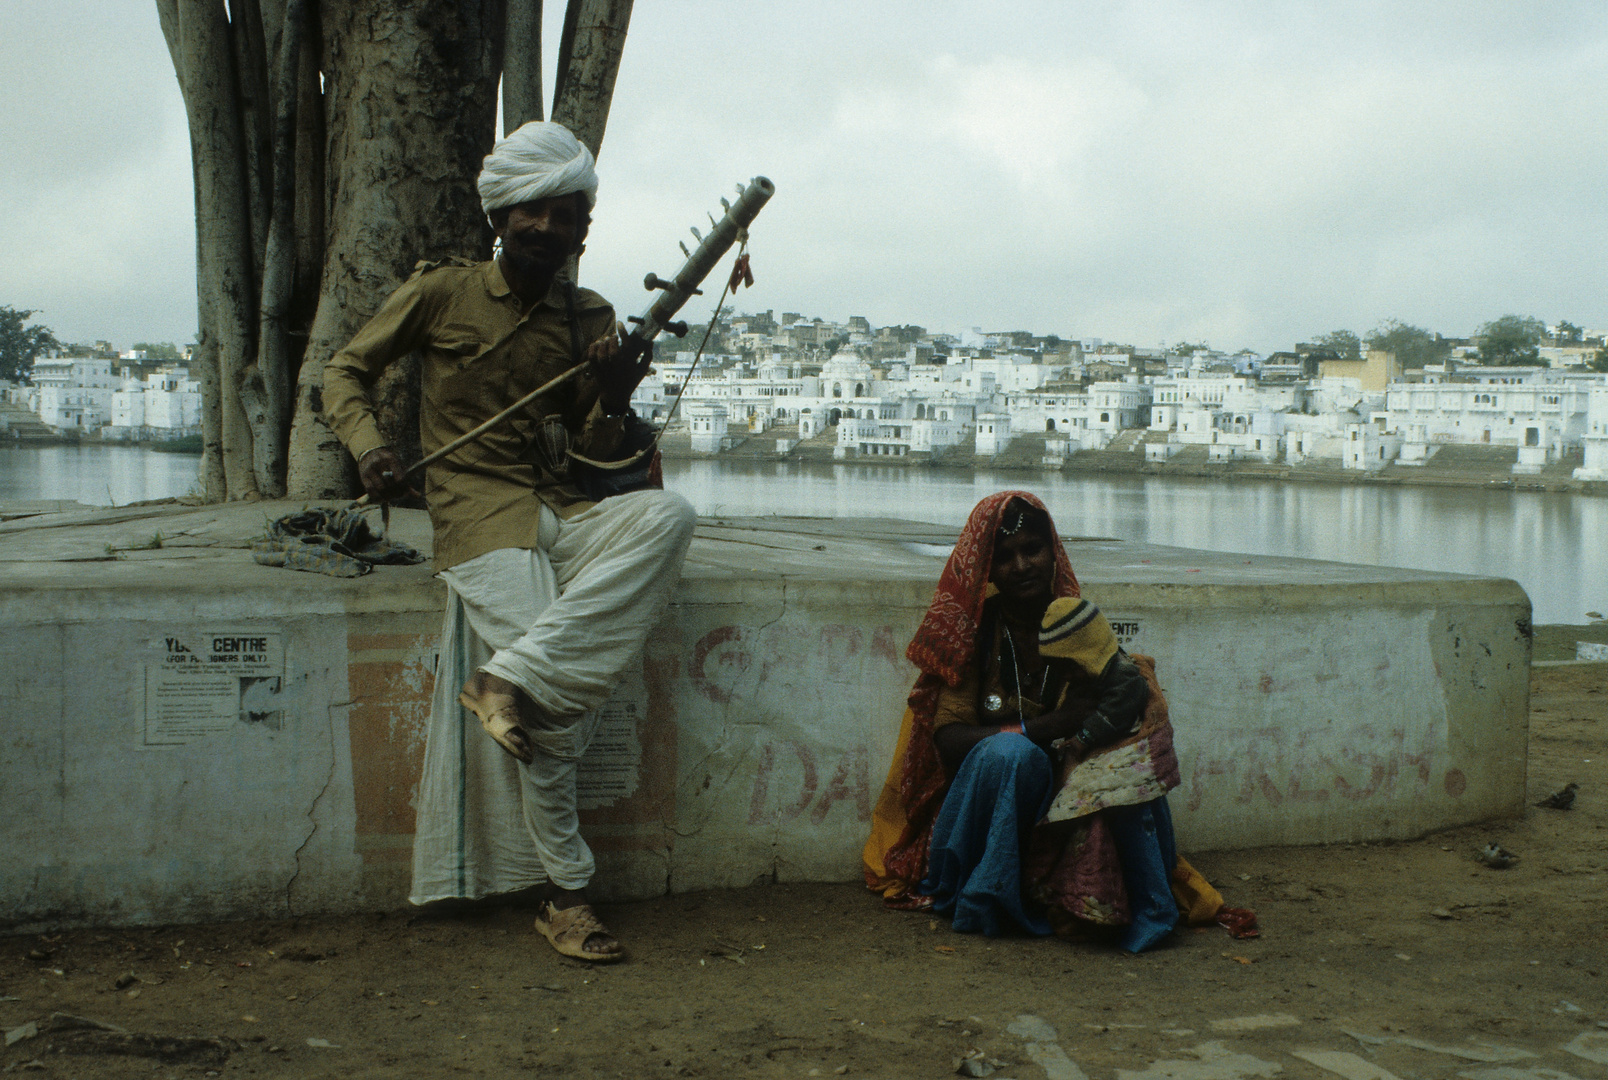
x,y
1543,417
164,405
1595,437
73,392
706,422
993,433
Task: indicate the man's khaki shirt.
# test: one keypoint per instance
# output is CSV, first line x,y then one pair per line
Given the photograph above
x,y
479,353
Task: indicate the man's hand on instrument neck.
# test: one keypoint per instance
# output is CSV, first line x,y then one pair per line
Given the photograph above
x,y
618,364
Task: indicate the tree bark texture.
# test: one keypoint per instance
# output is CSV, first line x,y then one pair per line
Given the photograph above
x,y
522,64
589,61
334,144
225,287
266,390
311,194
411,93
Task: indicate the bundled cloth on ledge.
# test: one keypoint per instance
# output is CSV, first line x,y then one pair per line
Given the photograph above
x,y
340,543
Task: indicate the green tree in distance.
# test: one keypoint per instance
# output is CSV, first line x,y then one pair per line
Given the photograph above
x,y
1413,345
1189,348
1568,332
1343,343
19,343
158,350
1599,361
1511,340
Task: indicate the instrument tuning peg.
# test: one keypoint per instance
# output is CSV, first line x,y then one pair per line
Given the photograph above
x,y
740,190
679,329
713,224
696,233
654,281
726,206
683,245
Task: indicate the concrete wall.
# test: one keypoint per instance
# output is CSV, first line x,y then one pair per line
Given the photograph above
x,y
1312,701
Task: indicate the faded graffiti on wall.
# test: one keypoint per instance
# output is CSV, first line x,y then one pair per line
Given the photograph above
x,y
785,679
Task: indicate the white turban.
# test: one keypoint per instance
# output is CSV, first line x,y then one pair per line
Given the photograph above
x,y
537,161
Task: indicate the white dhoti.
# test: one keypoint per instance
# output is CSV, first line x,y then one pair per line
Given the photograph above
x,y
562,622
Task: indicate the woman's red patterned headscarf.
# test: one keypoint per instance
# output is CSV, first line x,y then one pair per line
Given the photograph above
x,y
942,648
944,644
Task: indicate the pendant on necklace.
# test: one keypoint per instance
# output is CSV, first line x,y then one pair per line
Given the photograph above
x,y
993,703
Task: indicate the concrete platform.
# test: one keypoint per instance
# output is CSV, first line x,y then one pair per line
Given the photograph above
x,y
1313,702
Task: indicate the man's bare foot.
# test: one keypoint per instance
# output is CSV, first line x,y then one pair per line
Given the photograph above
x,y
568,922
496,702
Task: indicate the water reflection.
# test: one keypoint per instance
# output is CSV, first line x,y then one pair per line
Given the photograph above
x,y
1542,540
95,475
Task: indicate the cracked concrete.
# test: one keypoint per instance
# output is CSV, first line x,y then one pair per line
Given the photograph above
x,y
312,810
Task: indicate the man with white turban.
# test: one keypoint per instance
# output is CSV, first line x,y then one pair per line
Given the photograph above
x,y
554,578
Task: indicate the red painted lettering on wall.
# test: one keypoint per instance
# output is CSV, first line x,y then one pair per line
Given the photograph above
x,y
850,783
757,813
724,643
1311,771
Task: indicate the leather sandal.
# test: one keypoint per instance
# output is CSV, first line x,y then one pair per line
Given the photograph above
x,y
499,716
568,930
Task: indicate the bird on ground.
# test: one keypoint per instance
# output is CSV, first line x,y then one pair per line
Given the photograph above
x,y
1497,857
1561,800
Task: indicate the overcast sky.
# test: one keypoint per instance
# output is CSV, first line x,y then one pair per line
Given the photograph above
x,y
1247,173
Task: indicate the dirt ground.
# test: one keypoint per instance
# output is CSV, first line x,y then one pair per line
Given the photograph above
x,y
1496,974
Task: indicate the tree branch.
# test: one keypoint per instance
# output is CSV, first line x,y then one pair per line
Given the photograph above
x,y
279,270
588,62
167,14
224,293
522,64
256,118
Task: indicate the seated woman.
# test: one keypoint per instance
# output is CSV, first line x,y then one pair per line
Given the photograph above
x,y
1029,784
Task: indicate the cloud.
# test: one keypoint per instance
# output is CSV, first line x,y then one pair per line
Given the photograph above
x,y
1252,173
98,230
109,253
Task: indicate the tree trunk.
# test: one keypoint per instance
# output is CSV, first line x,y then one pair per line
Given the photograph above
x,y
266,390
589,61
333,144
311,195
251,62
522,64
411,93
224,282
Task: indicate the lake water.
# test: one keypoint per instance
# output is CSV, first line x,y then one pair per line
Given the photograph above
x,y
1551,543
96,475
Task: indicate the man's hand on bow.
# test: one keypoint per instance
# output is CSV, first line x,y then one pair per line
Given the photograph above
x,y
382,474
618,364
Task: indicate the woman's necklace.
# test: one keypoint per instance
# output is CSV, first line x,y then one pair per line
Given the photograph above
x,y
995,702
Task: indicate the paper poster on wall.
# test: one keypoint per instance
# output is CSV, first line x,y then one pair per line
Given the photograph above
x,y
1127,629
610,768
199,683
